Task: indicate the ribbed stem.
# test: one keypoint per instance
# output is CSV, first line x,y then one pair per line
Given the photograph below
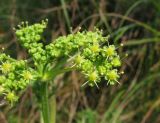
x,y
52,104
45,103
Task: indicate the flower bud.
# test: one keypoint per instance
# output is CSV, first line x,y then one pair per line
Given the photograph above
x,y
116,62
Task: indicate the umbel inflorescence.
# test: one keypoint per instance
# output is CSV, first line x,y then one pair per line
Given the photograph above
x,y
85,50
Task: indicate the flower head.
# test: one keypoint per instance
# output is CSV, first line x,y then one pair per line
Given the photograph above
x,y
116,62
112,76
110,50
95,48
27,75
6,67
93,76
79,59
11,97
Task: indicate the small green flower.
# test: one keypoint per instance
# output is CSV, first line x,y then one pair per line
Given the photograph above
x,y
95,48
6,67
79,59
102,70
112,76
116,62
11,76
2,79
27,75
93,76
11,97
110,51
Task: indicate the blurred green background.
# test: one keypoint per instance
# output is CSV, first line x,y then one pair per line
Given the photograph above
x,y
135,23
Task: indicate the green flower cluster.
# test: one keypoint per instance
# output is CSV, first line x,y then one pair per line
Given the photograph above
x,y
95,61
85,49
15,76
29,36
69,45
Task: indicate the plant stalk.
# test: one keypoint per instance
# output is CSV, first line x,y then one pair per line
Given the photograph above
x,y
52,105
45,103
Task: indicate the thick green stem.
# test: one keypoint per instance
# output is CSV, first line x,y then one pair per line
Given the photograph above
x,y
48,106
45,103
52,104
